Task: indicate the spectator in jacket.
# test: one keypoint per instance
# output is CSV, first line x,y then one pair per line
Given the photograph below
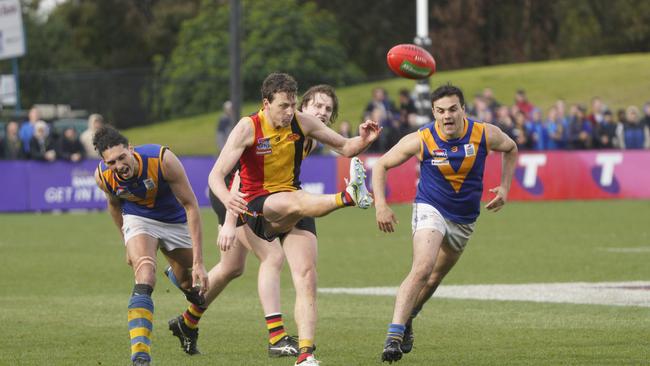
x,y
95,122
41,146
68,147
11,147
633,134
606,132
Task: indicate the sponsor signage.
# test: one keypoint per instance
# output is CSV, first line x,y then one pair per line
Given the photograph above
x,y
555,175
12,37
40,186
607,174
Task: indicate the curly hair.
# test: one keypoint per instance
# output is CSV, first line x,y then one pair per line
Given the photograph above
x,y
278,83
107,137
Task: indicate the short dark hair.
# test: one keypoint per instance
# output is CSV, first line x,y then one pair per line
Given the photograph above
x,y
447,90
278,82
107,137
322,89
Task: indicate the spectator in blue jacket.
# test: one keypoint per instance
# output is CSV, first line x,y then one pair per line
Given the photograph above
x,y
27,128
537,131
580,130
633,134
554,126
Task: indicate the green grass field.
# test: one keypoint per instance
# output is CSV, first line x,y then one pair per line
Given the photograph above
x,y
620,80
65,288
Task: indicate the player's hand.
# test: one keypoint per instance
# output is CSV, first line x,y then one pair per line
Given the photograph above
x,y
369,131
236,203
498,201
386,219
200,278
226,238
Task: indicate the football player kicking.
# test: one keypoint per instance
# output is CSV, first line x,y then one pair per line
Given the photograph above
x,y
320,101
269,147
452,151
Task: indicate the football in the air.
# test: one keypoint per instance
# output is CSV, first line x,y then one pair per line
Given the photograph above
x,y
411,61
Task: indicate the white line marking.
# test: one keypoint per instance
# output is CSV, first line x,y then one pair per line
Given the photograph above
x,y
627,250
634,293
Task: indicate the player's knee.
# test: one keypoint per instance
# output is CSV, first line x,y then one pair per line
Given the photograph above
x,y
233,272
306,275
144,270
422,272
435,279
292,207
274,260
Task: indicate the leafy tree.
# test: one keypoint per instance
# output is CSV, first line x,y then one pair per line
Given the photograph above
x,y
368,29
598,27
47,48
97,55
278,35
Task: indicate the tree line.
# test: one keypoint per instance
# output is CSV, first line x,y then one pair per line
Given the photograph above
x,y
170,58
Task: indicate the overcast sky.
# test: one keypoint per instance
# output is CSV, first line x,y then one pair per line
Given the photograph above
x,y
46,6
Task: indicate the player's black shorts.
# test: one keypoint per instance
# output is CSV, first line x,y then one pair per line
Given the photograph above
x,y
261,227
218,207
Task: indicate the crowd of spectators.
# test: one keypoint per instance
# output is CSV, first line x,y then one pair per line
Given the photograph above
x,y
396,120
35,139
559,127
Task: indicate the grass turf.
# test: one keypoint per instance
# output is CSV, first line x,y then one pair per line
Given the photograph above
x,y
65,289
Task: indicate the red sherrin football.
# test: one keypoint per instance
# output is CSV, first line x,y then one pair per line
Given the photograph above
x,y
411,61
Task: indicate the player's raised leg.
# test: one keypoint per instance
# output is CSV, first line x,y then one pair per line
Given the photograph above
x,y
284,209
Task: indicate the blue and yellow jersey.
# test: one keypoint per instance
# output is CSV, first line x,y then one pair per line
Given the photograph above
x,y
272,163
146,194
451,171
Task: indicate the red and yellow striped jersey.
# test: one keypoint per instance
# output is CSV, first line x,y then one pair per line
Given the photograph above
x,y
272,163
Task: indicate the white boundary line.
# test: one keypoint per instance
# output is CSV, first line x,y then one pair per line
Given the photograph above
x,y
634,293
627,250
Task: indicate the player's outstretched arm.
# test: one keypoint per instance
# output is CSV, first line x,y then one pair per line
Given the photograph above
x,y
241,137
499,141
180,185
368,132
407,147
113,203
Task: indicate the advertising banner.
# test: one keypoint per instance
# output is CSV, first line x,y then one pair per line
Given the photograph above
x,y
575,175
561,175
12,37
14,186
612,174
41,186
61,185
